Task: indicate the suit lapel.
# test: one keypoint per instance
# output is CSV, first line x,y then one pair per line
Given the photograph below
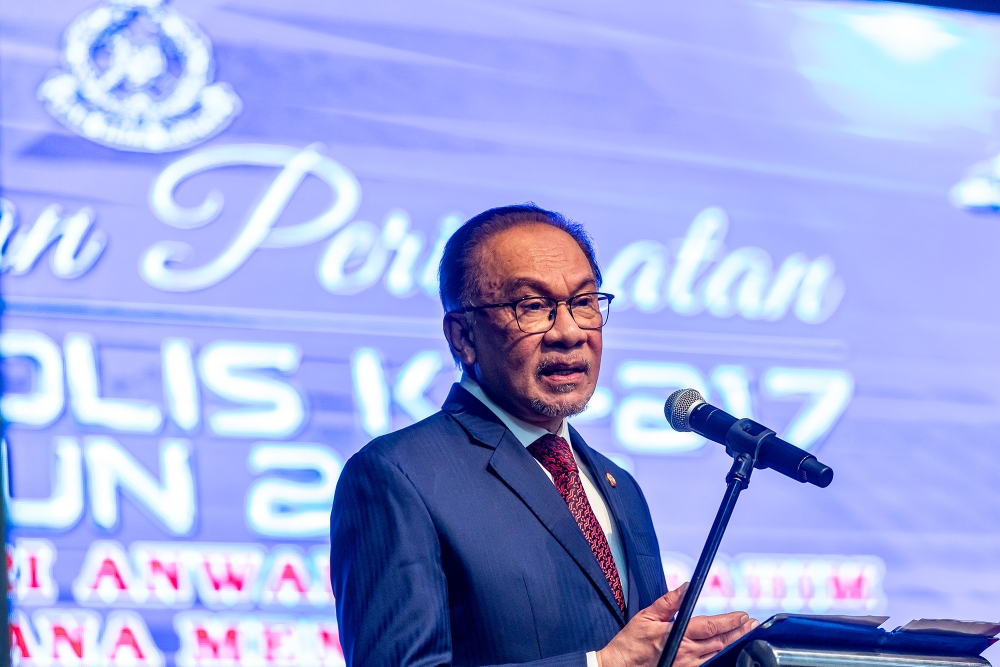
x,y
512,463
515,466
618,513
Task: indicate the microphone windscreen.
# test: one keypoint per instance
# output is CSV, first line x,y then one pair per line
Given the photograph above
x,y
678,407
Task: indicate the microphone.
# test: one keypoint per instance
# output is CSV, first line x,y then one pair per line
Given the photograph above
x,y
686,410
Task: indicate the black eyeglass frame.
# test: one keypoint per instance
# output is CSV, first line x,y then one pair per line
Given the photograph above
x,y
513,306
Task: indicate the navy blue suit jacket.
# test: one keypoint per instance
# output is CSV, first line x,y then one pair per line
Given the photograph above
x,y
450,546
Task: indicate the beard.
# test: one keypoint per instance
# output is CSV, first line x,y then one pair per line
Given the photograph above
x,y
561,409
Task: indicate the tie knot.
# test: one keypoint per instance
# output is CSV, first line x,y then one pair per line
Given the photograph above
x,y
554,454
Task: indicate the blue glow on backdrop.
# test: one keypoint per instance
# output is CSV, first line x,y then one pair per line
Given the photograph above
x,y
221,223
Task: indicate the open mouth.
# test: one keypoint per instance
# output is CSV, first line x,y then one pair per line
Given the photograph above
x,y
562,371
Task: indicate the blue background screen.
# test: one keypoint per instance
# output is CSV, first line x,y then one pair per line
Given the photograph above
x,y
220,229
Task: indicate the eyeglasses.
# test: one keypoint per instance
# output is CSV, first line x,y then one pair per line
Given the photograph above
x,y
537,314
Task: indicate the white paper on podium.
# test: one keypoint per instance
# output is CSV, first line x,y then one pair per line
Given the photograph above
x,y
980,628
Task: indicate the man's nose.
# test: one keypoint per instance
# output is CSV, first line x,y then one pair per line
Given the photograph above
x,y
565,331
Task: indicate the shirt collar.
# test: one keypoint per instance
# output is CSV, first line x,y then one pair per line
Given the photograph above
x,y
525,433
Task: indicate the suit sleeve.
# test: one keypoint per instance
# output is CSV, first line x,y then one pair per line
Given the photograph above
x,y
386,572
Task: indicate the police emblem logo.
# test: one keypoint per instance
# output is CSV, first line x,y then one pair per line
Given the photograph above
x,y
138,77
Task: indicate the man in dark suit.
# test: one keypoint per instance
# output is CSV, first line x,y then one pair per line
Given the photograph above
x,y
490,533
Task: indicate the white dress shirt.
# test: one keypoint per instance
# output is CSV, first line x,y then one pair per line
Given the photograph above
x,y
526,434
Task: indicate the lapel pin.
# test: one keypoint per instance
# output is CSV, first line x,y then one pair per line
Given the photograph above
x,y
611,479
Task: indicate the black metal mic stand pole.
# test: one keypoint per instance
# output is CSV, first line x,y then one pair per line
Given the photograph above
x,y
743,444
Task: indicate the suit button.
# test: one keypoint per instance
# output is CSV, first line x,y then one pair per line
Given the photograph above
x,y
611,479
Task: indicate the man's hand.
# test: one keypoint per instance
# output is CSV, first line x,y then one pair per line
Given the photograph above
x,y
641,642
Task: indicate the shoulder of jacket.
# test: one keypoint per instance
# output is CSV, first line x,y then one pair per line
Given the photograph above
x,y
412,440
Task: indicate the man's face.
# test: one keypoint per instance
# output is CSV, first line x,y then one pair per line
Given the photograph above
x,y
539,377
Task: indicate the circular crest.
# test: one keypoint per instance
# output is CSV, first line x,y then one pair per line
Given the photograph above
x,y
138,77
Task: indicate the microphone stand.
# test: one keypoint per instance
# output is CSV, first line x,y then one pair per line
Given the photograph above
x,y
742,443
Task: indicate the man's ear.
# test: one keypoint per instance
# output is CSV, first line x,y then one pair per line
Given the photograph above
x,y
460,336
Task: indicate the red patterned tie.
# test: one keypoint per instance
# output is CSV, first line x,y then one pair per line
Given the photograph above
x,y
555,456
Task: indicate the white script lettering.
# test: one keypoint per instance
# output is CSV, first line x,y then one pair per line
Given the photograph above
x,y
259,230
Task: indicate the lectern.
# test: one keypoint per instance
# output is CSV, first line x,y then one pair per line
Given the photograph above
x,y
789,640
